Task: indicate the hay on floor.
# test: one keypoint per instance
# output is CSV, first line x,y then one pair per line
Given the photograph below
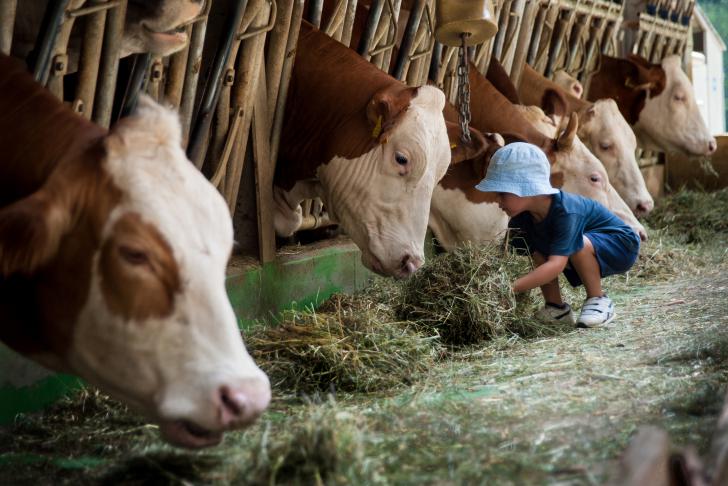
x,y
692,216
465,296
353,344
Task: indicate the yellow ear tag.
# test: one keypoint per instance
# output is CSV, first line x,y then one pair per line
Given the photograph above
x,y
453,145
377,128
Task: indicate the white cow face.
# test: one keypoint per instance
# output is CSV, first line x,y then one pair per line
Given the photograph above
x,y
607,134
671,120
156,26
158,329
382,198
569,83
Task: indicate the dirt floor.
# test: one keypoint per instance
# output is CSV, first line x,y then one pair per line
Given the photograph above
x,y
555,410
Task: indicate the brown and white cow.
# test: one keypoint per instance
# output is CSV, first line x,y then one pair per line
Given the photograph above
x,y
113,253
461,213
658,102
154,26
604,131
369,146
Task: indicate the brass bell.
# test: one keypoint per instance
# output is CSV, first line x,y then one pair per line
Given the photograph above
x,y
475,18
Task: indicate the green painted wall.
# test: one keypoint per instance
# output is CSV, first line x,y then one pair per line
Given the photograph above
x,y
292,281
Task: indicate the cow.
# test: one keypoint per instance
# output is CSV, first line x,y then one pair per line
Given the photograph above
x,y
460,213
155,26
113,253
658,102
369,146
569,83
604,131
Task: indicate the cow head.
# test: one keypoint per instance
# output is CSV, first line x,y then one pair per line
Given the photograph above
x,y
382,198
657,100
607,134
127,250
569,83
157,26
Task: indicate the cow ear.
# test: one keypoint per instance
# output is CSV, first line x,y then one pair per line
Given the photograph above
x,y
31,229
557,179
566,138
385,108
554,104
477,145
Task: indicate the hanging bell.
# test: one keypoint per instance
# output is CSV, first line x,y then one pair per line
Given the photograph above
x,y
475,18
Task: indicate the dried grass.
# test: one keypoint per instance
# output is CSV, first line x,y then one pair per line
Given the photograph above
x,y
692,216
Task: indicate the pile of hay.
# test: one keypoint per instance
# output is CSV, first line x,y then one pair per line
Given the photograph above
x,y
465,296
350,344
661,257
692,216
325,446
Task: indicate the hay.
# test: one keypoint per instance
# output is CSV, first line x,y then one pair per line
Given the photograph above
x,y
465,296
325,446
692,216
354,344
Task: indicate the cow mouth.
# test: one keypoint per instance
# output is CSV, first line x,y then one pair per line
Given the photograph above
x,y
184,433
178,34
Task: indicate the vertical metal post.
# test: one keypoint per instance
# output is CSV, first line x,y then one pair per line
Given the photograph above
x,y
7,22
40,58
139,72
106,85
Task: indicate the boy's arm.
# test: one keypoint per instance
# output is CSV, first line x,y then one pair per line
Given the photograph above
x,y
542,274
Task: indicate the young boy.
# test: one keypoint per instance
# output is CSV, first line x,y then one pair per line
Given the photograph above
x,y
562,232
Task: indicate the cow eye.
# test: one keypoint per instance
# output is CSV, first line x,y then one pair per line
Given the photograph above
x,y
400,158
679,97
133,256
605,145
594,178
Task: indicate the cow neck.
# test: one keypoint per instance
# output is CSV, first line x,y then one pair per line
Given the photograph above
x,y
35,127
490,111
534,85
610,82
499,78
325,114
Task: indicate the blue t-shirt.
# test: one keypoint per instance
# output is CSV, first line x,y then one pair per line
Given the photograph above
x,y
569,218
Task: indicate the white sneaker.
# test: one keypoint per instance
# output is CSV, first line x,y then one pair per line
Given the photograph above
x,y
552,314
596,311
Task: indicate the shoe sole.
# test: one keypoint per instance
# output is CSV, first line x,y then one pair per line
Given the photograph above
x,y
583,325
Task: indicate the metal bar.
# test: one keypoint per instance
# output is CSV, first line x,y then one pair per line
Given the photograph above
x,y
40,58
192,71
276,54
90,56
577,30
370,30
277,123
176,74
313,15
557,41
80,12
106,85
348,22
336,22
142,63
524,38
433,73
515,25
7,23
536,35
212,88
405,49
500,36
261,30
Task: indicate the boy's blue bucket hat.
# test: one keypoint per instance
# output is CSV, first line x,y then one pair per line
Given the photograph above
x,y
518,168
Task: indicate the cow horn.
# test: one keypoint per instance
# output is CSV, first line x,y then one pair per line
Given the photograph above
x,y
566,139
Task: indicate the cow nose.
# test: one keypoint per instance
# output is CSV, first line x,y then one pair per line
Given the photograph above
x,y
712,146
410,264
242,404
644,208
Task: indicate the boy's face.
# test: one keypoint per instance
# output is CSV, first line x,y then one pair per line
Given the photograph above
x,y
511,204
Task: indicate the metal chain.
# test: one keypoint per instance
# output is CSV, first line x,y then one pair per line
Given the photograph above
x,y
464,89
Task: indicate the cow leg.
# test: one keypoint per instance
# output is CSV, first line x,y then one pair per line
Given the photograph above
x,y
288,214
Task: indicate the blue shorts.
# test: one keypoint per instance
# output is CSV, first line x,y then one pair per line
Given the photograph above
x,y
616,252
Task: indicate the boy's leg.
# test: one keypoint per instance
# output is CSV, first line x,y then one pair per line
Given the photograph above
x,y
551,291
586,265
598,309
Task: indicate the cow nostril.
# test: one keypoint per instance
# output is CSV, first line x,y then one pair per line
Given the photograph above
x,y
232,404
712,146
410,264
